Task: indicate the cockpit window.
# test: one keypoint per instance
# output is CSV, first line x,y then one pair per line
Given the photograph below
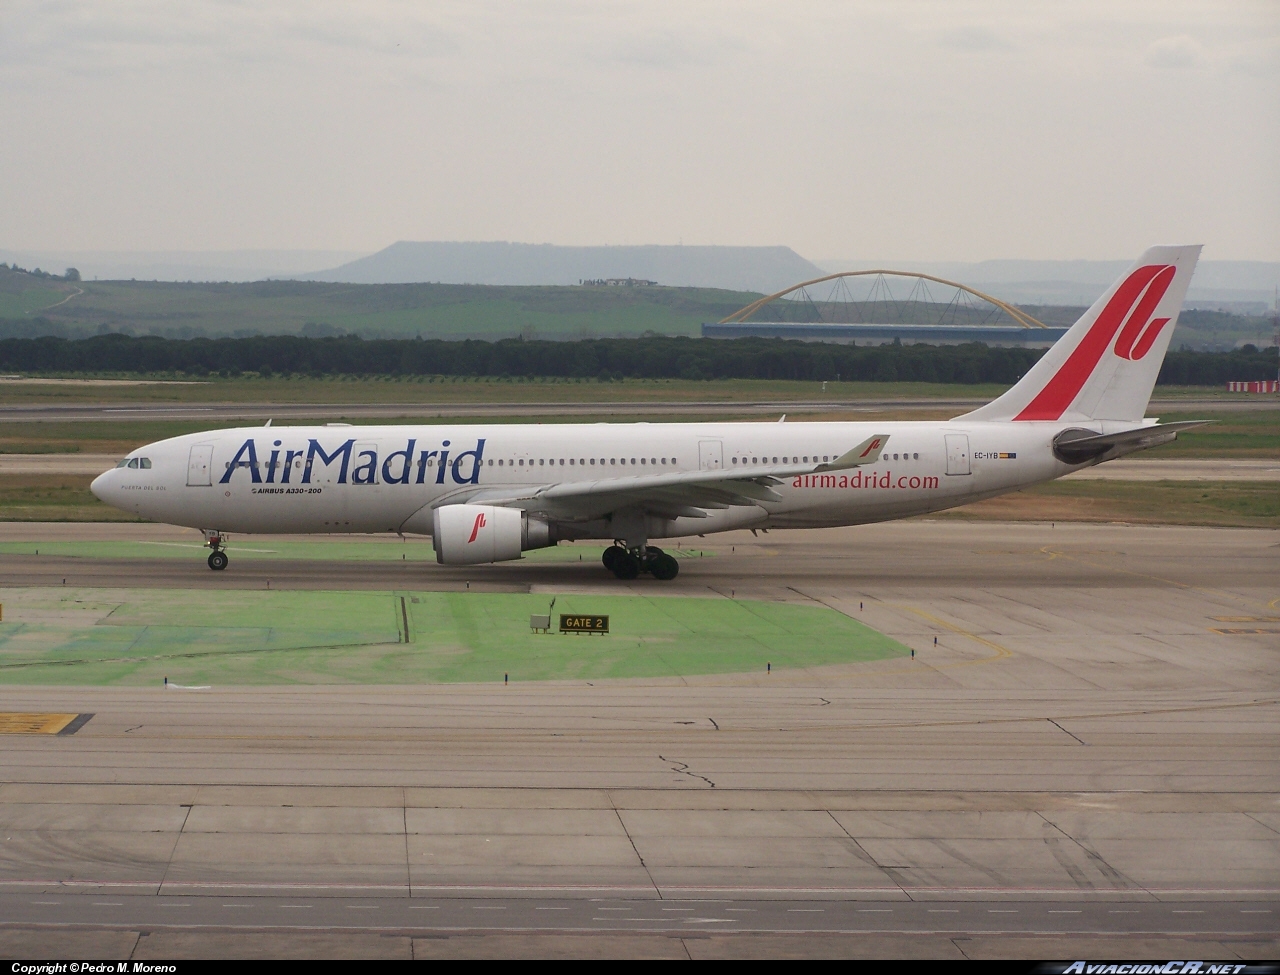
x,y
133,463
144,463
123,463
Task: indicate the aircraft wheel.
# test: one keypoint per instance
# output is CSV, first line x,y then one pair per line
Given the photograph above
x,y
610,556
626,565
218,561
664,567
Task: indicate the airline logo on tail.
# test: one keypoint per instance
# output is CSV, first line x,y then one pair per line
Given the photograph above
x,y
1128,312
475,529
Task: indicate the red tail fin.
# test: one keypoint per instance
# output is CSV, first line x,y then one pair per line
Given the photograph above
x,y
1106,365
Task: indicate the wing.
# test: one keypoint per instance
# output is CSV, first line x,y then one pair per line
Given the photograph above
x,y
688,494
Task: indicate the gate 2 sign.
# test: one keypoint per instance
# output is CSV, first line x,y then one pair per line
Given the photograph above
x,y
574,623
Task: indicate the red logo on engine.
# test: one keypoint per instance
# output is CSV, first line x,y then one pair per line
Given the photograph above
x,y
475,529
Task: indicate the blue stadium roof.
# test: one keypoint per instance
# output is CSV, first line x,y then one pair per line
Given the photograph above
x,y
1005,335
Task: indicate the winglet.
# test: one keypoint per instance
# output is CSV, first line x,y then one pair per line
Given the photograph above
x,y
867,452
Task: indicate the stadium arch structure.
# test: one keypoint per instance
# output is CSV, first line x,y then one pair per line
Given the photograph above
x,y
860,307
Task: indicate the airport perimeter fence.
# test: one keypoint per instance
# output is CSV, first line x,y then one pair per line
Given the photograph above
x,y
605,359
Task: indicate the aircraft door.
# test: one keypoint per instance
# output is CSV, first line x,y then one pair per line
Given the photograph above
x,y
711,455
200,466
957,453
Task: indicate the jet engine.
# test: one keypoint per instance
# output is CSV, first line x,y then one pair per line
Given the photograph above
x,y
468,534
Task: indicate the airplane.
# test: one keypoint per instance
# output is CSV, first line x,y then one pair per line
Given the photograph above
x,y
486,494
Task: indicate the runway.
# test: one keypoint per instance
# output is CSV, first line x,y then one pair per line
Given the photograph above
x,y
1085,763
226,413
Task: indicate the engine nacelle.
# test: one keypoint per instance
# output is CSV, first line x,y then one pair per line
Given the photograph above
x,y
468,534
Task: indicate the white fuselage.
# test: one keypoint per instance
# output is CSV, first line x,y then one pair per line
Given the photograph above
x,y
325,479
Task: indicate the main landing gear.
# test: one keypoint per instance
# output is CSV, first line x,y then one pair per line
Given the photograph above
x,y
628,564
217,558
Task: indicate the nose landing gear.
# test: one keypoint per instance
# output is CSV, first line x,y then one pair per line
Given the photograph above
x,y
217,558
628,563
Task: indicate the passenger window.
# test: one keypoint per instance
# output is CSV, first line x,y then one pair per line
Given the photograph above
x,y
542,462
915,457
522,462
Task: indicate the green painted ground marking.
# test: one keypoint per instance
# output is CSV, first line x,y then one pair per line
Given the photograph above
x,y
246,547
94,636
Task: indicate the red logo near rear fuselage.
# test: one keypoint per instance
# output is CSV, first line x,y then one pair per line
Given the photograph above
x,y
1131,306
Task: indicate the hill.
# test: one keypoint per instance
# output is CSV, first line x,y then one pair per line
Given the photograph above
x,y
31,306
763,269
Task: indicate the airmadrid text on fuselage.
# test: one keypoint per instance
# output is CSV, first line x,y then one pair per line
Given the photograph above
x,y
358,463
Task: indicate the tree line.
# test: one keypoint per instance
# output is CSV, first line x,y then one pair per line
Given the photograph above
x,y
71,274
606,359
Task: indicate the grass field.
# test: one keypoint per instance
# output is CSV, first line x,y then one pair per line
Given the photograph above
x,y
429,390
1248,433
178,309
1236,504
182,309
138,637
1245,504
53,497
1231,434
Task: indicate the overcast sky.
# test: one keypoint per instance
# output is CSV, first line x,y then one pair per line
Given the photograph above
x,y
933,131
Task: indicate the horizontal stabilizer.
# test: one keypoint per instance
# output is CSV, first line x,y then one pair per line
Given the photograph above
x,y
1079,446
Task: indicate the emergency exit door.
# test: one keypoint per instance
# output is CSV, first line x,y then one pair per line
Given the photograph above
x,y
957,453
200,466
